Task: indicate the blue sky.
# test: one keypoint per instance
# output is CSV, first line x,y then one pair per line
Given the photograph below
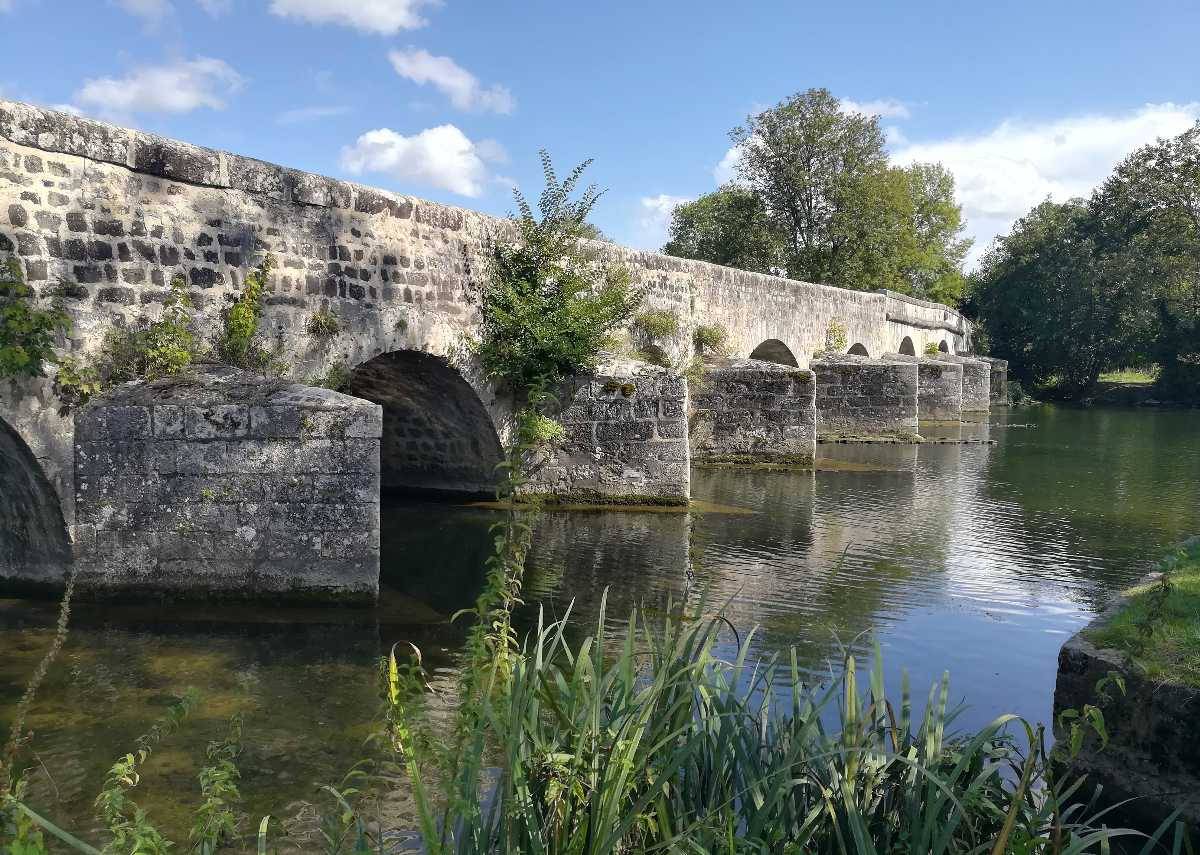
x,y
451,100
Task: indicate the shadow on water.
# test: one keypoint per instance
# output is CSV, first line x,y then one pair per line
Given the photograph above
x,y
980,559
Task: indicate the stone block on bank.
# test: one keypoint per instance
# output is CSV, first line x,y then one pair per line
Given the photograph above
x,y
219,482
939,392
750,411
625,439
858,398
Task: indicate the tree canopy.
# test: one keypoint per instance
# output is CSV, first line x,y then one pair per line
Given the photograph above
x,y
815,197
1085,286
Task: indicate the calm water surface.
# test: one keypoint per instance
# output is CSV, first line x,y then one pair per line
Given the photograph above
x,y
976,559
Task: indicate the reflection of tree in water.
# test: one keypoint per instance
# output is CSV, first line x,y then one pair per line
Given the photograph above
x,y
1095,495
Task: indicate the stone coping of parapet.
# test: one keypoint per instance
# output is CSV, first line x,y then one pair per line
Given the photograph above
x,y
151,154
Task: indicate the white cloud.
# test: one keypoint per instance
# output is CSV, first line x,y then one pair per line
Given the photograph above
x,y
654,218
726,170
300,115
176,88
385,17
441,157
216,8
1004,172
70,109
459,85
153,12
885,108
7,5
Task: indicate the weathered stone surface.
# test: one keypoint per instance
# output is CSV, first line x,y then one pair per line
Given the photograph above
x,y
939,387
999,380
1152,760
747,411
862,398
219,482
976,382
626,439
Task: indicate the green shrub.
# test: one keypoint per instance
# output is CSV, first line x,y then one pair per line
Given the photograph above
x,y
710,339
657,324
27,333
238,343
932,349
835,337
323,324
336,378
539,429
549,302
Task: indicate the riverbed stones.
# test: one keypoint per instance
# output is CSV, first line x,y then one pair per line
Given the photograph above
x,y
863,399
746,411
223,483
976,381
939,394
625,439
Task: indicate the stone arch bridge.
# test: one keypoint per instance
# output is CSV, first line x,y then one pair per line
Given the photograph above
x,y
103,218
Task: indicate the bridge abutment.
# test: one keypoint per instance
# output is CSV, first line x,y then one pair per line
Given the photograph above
x,y
976,382
939,387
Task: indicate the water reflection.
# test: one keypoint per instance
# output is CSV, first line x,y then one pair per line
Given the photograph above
x,y
978,558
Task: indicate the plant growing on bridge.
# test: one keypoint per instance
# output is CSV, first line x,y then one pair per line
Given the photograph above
x,y
710,339
239,343
657,324
550,302
835,337
932,349
323,324
27,333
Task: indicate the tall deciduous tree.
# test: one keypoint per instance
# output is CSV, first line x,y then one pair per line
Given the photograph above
x,y
728,226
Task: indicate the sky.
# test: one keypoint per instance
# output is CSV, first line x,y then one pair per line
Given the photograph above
x,y
452,99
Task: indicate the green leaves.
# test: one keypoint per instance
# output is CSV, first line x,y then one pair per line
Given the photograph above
x,y
27,333
549,302
239,344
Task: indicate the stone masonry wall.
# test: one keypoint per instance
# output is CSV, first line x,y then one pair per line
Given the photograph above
x,y
939,393
861,398
222,483
976,382
104,218
626,439
746,411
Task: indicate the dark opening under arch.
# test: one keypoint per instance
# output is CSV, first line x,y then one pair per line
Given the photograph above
x,y
774,350
944,347
34,548
437,435
858,349
907,347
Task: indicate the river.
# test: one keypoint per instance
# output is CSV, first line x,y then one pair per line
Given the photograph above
x,y
976,559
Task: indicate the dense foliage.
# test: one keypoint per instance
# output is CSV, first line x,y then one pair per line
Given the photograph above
x,y
240,342
550,303
815,198
27,332
1085,286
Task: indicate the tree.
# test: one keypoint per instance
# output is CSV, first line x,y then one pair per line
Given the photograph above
x,y
809,162
934,268
1051,302
728,226
1148,214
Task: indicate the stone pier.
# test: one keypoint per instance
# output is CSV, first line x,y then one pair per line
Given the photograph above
x,y
999,380
748,411
626,439
858,398
224,483
976,382
939,393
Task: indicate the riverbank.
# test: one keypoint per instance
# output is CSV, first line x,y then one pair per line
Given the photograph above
x,y
1148,639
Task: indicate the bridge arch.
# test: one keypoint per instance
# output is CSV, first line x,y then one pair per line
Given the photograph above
x,y
34,546
438,435
907,347
858,349
944,346
774,350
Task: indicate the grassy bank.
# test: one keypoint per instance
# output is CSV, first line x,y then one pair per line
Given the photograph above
x,y
1159,627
